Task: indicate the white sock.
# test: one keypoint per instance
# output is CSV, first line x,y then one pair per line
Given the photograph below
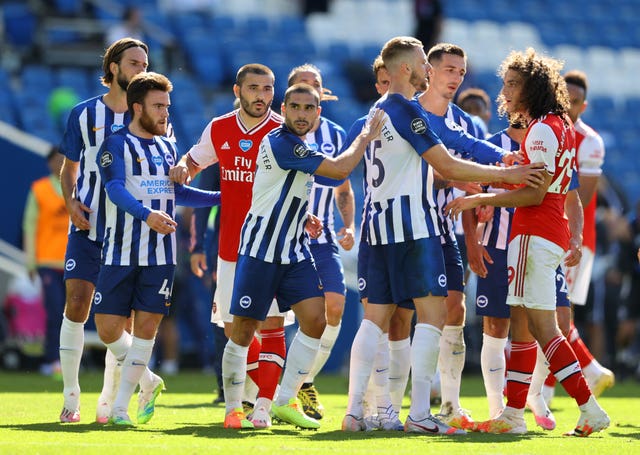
x,y
493,366
399,368
109,386
133,367
361,364
327,340
71,345
380,372
451,363
424,362
251,389
535,400
370,406
121,346
300,358
234,372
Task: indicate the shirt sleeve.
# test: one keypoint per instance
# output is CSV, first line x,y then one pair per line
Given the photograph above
x,y
468,146
195,197
412,123
203,153
72,143
541,145
591,156
110,160
294,154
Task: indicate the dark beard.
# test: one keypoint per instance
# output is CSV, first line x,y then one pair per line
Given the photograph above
x,y
123,83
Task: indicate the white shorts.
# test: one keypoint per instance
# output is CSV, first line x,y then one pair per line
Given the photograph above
x,y
579,277
531,267
220,312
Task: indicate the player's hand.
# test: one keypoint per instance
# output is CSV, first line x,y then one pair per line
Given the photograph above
x,y
77,212
198,264
477,254
531,174
373,127
346,238
313,226
454,208
574,255
484,213
512,158
161,222
180,174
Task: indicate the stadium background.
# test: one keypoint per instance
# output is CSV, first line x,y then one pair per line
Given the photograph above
x,y
50,52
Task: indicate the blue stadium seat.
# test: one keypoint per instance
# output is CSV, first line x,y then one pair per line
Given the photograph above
x,y
68,7
19,24
37,78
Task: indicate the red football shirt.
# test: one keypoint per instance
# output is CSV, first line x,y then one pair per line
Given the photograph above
x,y
227,140
550,140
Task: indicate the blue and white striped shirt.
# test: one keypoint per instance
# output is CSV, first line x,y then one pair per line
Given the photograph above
x,y
143,165
273,229
328,140
403,205
496,231
89,123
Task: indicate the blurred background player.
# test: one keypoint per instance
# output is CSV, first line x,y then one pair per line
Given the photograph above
x,y
476,102
326,137
45,225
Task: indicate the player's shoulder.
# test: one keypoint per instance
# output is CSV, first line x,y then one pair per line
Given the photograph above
x,y
332,125
89,103
586,130
458,113
225,118
496,138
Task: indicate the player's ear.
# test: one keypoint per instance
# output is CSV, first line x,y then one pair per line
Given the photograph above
x,y
236,90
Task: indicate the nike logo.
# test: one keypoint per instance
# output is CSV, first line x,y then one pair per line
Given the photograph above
x,y
492,370
303,372
97,128
139,160
137,364
236,382
457,352
425,428
381,370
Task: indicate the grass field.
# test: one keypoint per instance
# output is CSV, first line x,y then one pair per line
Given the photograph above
x,y
187,423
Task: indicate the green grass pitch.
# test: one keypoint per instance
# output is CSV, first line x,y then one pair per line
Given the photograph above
x,y
186,422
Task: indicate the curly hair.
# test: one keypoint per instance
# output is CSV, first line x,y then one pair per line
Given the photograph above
x,y
544,90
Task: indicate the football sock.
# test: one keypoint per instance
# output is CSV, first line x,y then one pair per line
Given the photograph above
x,y
424,362
399,368
493,364
328,339
450,363
133,367
272,355
565,367
302,353
361,364
520,368
234,372
71,345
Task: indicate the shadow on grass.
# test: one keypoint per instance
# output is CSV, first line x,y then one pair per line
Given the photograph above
x,y
339,435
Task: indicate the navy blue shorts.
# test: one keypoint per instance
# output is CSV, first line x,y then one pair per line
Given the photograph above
x,y
329,267
406,270
453,264
256,282
82,258
491,292
562,289
121,289
363,264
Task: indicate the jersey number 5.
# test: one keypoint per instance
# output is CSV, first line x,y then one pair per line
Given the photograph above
x,y
377,181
